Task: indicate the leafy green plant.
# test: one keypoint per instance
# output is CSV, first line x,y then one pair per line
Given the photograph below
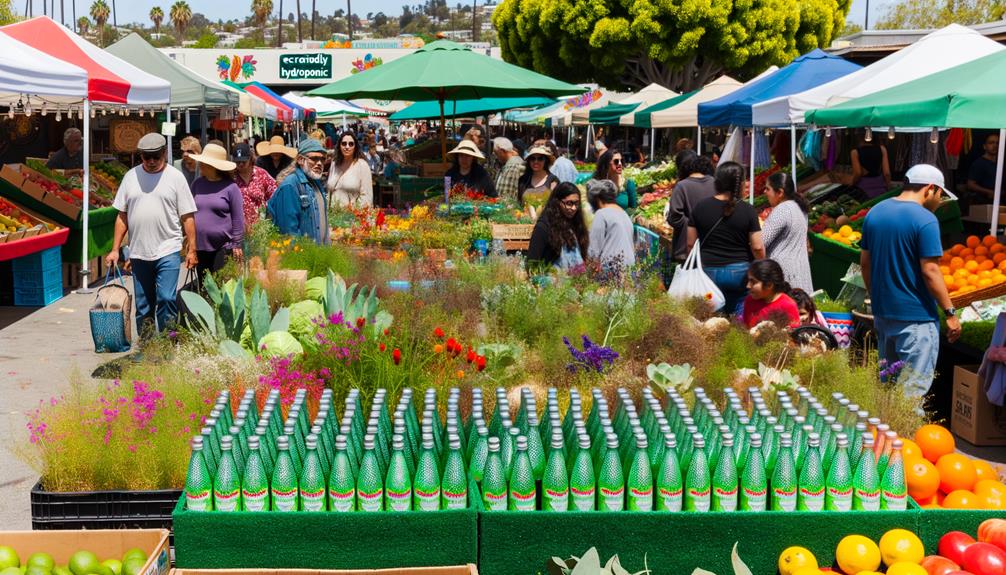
x,y
826,304
589,564
318,259
353,305
771,378
677,377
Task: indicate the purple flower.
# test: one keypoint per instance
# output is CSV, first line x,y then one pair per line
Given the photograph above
x,y
594,357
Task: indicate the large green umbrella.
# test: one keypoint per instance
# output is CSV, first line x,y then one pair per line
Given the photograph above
x,y
443,71
431,109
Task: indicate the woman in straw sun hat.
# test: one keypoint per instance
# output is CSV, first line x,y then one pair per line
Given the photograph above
x,y
274,155
219,210
468,172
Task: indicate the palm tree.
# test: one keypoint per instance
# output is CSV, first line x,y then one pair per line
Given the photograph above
x,y
157,16
300,33
82,25
314,16
261,9
180,16
349,18
115,21
100,12
279,26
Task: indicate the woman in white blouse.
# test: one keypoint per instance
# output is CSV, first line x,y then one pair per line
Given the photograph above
x,y
350,183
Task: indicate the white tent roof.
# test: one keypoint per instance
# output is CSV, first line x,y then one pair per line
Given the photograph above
x,y
580,116
686,114
648,96
945,48
27,71
325,105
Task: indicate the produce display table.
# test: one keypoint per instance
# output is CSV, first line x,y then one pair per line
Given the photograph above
x,y
26,246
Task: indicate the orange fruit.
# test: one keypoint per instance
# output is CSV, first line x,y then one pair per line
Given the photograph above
x,y
922,478
984,283
961,273
985,274
1002,265
928,503
991,501
997,248
945,270
909,449
989,241
973,279
981,251
973,241
986,264
984,471
971,265
990,487
957,472
949,280
967,253
961,499
968,288
956,263
956,250
934,440
999,257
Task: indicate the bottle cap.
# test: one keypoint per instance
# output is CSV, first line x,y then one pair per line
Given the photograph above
x,y
727,439
612,441
311,442
698,441
513,431
482,430
197,443
340,442
867,441
454,442
283,443
397,442
494,444
836,427
368,441
234,430
755,440
641,441
813,439
891,435
521,443
583,441
206,430
288,429
253,443
316,430
799,420
670,441
842,440
786,440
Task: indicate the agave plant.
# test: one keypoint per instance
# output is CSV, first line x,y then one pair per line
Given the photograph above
x,y
227,321
665,376
589,564
353,304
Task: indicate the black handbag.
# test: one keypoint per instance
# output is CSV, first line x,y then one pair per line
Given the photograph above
x,y
194,285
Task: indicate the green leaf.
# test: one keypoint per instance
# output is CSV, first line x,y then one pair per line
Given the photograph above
x,y
225,312
382,321
589,564
280,321
231,348
260,316
205,318
212,290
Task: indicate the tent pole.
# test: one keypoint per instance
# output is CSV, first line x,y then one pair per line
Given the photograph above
x,y
167,118
792,152
188,122
443,132
752,177
999,183
86,152
202,122
653,144
586,148
698,140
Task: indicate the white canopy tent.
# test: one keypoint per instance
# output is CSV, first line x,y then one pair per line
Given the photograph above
x,y
581,116
686,114
648,96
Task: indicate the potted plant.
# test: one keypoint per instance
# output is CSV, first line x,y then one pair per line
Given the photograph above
x,y
839,320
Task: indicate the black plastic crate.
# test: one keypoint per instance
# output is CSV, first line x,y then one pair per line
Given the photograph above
x,y
102,509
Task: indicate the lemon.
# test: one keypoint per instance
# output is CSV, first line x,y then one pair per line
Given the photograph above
x,y
906,568
845,231
901,545
808,571
794,558
856,553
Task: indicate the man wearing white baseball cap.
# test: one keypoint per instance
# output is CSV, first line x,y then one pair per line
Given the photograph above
x,y
900,259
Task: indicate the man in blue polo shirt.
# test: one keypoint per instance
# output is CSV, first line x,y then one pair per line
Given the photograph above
x,y
900,259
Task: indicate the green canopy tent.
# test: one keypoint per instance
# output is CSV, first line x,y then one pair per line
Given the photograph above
x,y
454,109
641,119
443,71
610,114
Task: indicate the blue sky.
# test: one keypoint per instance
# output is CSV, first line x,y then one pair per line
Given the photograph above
x,y
137,10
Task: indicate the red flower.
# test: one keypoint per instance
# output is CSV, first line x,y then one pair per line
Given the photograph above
x,y
453,346
382,347
438,333
379,222
396,356
480,363
471,355
360,322
386,331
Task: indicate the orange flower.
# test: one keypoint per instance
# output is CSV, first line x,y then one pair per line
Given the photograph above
x,y
461,374
438,348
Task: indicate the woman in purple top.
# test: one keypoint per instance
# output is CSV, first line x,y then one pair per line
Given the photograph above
x,y
220,212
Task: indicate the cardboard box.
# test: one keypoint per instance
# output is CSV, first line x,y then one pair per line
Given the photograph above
x,y
974,418
12,174
433,169
105,543
469,569
983,213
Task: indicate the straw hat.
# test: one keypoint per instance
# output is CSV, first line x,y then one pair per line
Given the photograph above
x,y
540,151
468,148
275,145
215,156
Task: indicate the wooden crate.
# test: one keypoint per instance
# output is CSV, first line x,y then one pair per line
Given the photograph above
x,y
516,237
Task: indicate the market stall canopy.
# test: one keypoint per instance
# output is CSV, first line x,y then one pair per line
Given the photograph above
x,y
648,96
326,108
970,95
266,93
188,89
943,49
806,72
578,111
428,110
110,78
283,113
620,105
25,71
378,106
534,116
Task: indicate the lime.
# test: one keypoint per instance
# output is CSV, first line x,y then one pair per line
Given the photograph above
x,y
60,570
11,571
134,566
37,570
43,560
84,563
102,569
9,558
114,564
134,552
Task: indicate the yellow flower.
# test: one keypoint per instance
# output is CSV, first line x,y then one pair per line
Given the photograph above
x,y
286,242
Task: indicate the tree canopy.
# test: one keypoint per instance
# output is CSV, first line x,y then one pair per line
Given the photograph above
x,y
924,14
681,44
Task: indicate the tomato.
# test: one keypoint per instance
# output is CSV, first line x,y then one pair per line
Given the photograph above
x,y
993,531
953,544
936,565
984,559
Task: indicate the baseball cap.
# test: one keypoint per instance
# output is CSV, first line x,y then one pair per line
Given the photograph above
x,y
503,143
308,146
242,152
926,174
152,142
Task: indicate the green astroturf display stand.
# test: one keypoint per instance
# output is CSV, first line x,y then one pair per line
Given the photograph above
x,y
275,540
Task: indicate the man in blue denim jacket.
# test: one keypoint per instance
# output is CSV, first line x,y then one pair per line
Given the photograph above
x,y
300,206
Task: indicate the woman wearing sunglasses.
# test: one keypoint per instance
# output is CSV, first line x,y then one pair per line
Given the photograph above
x,y
537,183
350,182
609,167
560,237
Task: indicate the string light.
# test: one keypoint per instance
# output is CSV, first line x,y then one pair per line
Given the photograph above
x,y
59,115
934,138
92,112
827,132
890,133
10,112
869,134
45,109
141,112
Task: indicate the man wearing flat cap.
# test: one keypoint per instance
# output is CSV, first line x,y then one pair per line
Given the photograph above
x,y
156,208
300,206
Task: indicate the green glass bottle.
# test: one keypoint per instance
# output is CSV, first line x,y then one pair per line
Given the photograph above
x,y
494,482
582,483
669,482
753,495
639,480
610,479
812,477
885,455
369,483
255,483
480,454
198,482
535,450
555,483
283,488
227,484
784,477
398,485
698,480
866,482
838,495
725,481
508,447
523,492
426,486
454,483
210,456
341,483
893,491
312,478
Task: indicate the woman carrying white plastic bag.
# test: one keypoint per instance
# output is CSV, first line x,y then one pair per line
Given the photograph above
x,y
691,282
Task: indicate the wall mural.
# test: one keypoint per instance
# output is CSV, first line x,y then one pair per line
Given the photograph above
x,y
237,67
365,63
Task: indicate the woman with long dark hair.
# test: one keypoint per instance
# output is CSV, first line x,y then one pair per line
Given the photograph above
x,y
768,297
350,182
729,235
609,167
560,235
785,230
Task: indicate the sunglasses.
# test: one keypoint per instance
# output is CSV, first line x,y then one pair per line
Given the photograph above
x,y
617,162
536,159
348,144
570,203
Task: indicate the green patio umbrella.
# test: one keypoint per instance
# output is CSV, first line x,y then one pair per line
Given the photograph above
x,y
452,108
443,71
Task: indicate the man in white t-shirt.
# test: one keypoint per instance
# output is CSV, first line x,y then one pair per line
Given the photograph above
x,y
155,206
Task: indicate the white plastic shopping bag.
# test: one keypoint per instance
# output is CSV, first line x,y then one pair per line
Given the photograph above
x,y
690,281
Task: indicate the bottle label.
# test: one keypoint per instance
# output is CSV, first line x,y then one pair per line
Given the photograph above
x,y
522,501
494,501
226,501
342,502
867,500
812,500
284,500
370,501
784,499
583,499
313,500
895,501
840,499
726,499
612,499
755,499
427,501
458,500
197,500
399,500
640,499
255,500
671,499
556,500
698,499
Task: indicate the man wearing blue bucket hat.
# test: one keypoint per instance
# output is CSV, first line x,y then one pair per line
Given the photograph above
x,y
300,207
